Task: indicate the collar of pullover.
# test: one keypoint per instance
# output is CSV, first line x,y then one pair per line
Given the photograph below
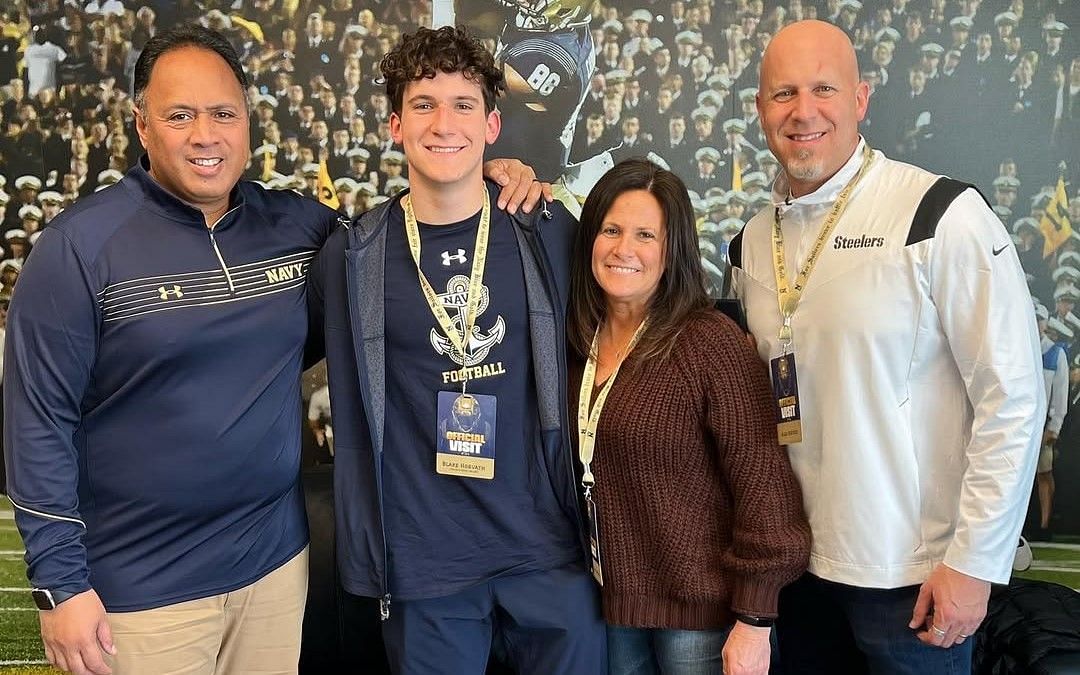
x,y
824,195
162,201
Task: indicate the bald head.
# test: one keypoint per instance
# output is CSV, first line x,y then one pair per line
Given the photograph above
x,y
811,39
810,101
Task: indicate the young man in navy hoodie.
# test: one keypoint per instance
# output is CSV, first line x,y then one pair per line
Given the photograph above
x,y
444,325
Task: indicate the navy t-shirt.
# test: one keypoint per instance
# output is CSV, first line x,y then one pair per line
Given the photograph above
x,y
446,533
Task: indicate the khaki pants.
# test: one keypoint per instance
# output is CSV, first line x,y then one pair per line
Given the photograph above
x,y
252,630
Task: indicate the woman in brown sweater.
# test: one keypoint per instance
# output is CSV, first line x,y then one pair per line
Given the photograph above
x,y
698,520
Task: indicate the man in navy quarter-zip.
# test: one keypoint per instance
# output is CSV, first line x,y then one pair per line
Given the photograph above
x,y
152,427
176,296
444,322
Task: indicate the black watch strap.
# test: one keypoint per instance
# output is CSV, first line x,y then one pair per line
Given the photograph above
x,y
756,621
48,599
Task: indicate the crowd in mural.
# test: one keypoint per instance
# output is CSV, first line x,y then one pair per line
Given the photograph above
x,y
984,90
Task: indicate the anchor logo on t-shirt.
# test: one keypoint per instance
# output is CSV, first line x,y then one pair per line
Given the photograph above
x,y
478,343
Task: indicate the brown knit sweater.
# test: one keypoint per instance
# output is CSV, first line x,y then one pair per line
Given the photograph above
x,y
700,514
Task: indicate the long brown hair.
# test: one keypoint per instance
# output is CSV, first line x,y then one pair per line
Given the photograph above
x,y
681,291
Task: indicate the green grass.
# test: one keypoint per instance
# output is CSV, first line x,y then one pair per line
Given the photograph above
x,y
1057,565
12,573
1056,557
19,638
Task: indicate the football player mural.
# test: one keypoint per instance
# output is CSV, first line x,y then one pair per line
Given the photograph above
x,y
547,54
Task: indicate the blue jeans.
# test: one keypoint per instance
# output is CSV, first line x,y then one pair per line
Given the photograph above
x,y
656,651
826,627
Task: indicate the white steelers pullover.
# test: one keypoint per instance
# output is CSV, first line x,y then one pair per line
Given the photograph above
x,y
919,373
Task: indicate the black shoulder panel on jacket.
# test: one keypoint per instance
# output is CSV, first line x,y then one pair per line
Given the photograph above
x,y
938,198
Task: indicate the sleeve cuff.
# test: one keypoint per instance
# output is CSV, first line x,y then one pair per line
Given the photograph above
x,y
757,597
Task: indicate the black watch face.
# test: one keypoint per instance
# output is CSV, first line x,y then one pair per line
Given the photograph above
x,y
42,598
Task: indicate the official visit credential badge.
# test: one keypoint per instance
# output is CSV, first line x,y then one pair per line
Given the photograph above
x,y
466,435
786,389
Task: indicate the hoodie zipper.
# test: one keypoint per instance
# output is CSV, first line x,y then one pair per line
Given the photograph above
x,y
560,329
384,600
217,251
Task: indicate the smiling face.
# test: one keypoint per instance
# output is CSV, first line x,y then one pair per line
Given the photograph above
x,y
194,126
811,102
443,129
628,252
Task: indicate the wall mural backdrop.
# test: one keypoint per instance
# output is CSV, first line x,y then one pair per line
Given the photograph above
x,y
983,90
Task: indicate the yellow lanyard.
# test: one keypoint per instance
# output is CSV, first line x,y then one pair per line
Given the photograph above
x,y
476,280
788,293
588,419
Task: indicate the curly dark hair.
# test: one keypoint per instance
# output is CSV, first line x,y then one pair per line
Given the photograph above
x,y
449,49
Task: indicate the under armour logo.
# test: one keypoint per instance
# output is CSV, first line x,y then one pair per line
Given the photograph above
x,y
165,292
458,257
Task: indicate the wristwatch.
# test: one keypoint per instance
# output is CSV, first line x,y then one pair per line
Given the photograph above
x,y
756,621
46,599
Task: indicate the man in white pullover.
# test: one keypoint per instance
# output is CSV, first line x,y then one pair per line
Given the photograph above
x,y
898,303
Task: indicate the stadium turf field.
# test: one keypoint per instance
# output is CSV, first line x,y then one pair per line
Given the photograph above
x,y
20,646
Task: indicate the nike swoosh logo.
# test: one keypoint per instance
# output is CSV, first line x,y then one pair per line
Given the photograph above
x,y
997,251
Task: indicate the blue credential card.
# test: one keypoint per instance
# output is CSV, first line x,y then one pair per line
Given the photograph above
x,y
465,436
